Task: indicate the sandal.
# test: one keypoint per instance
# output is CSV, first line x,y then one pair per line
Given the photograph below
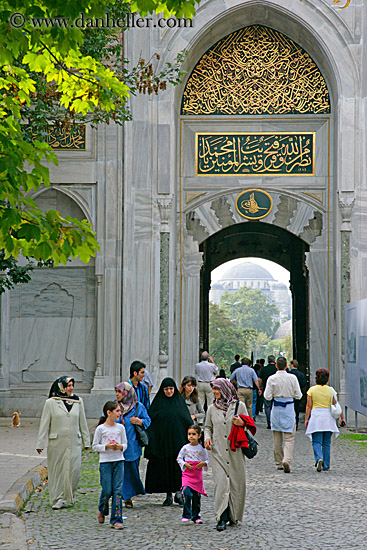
x,y
100,517
129,503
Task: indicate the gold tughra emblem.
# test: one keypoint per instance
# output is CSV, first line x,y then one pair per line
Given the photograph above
x,y
251,205
254,204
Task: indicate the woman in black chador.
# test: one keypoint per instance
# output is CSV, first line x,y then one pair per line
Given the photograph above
x,y
167,434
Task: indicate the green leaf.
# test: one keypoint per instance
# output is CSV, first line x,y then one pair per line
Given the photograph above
x,y
43,251
29,232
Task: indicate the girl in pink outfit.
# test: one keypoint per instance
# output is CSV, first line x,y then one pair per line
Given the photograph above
x,y
192,458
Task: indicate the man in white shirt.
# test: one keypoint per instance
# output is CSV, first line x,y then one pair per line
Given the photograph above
x,y
205,372
283,388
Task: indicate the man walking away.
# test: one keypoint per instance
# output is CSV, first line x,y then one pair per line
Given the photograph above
x,y
282,387
293,365
245,377
205,372
237,363
265,372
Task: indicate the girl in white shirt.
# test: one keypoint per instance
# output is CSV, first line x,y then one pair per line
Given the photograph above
x,y
110,442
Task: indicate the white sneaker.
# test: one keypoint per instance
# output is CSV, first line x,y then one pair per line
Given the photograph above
x,y
59,504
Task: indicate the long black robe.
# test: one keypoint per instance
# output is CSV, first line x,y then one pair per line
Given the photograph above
x,y
167,434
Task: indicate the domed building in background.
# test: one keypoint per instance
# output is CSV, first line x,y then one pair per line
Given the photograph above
x,y
255,277
284,330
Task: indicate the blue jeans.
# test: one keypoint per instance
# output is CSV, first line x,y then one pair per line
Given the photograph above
x,y
321,442
191,507
254,400
112,478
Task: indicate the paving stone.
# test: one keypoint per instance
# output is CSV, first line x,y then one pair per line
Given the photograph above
x,y
303,510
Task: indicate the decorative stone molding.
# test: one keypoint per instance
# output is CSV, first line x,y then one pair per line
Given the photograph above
x,y
192,259
163,360
346,203
164,205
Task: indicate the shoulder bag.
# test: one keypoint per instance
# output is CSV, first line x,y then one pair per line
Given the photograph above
x,y
336,409
141,434
251,450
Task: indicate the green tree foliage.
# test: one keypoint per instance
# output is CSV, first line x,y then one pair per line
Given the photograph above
x,y
52,73
225,340
253,311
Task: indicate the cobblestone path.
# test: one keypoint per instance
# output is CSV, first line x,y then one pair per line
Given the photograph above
x,y
303,510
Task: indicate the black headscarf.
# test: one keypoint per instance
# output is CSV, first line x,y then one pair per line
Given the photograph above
x,y
58,391
170,421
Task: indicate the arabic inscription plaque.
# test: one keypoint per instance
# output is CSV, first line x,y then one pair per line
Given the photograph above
x,y
254,154
61,139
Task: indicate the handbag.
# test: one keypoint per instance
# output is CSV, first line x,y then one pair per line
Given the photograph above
x,y
141,434
251,450
336,409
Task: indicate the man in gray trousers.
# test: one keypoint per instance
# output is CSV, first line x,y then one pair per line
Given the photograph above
x,y
205,372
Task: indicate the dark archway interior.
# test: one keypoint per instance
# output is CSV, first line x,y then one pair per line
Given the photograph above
x,y
256,239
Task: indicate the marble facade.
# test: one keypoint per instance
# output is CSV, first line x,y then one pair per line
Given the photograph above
x,y
140,298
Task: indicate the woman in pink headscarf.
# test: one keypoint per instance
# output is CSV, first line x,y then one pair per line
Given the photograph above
x,y
229,471
132,413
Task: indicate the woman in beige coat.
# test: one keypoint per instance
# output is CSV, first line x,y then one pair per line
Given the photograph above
x,y
229,471
64,426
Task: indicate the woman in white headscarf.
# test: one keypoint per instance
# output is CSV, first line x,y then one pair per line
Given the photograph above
x,y
229,471
64,426
133,414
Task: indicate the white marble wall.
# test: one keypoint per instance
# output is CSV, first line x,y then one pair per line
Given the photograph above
x,y
67,320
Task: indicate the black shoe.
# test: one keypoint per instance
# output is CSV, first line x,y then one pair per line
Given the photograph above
x,y
233,523
221,525
178,498
168,501
268,427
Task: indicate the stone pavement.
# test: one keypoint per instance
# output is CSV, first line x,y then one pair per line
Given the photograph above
x,y
303,510
17,451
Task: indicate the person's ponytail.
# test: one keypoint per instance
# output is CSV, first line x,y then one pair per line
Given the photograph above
x,y
109,406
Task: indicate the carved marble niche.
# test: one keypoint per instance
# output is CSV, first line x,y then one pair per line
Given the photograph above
x,y
52,318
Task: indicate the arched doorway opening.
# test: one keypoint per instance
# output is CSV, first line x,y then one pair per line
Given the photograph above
x,y
269,242
250,311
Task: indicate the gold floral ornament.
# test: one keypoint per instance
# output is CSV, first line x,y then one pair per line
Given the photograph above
x,y
253,71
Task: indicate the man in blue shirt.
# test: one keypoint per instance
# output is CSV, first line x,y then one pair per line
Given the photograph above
x,y
245,378
137,373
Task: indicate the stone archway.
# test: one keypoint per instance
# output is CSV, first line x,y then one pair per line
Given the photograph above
x,y
293,235
272,243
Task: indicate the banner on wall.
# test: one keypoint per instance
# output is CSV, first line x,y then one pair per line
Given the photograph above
x,y
356,356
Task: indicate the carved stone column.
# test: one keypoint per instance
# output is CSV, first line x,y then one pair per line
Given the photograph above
x,y
190,306
4,324
164,205
100,338
346,203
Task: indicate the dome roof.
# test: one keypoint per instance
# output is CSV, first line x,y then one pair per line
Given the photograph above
x,y
284,330
280,286
217,286
247,270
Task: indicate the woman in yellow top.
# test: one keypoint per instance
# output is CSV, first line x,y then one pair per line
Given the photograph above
x,y
319,422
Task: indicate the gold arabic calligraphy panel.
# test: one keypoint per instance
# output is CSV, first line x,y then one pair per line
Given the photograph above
x,y
253,71
254,154
61,139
